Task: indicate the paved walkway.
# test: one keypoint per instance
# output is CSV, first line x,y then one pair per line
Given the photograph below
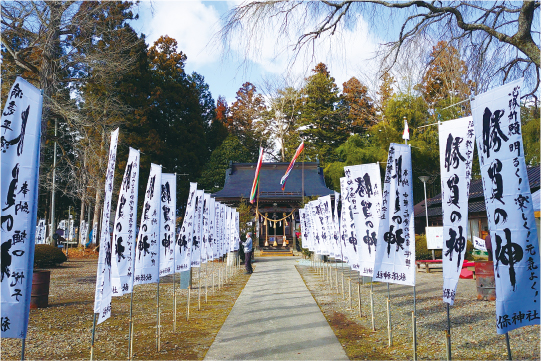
x,y
276,318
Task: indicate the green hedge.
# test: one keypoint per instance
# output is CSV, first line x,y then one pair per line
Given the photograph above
x,y
48,256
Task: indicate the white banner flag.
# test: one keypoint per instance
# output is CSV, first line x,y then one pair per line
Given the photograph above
x,y
365,192
348,234
95,233
184,240
236,229
327,222
310,227
102,296
319,246
147,257
206,228
395,251
40,232
167,223
222,243
456,154
83,229
479,243
212,251
336,228
125,228
20,132
508,200
197,228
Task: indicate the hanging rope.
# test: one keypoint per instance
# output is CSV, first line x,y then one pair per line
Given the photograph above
x,y
274,220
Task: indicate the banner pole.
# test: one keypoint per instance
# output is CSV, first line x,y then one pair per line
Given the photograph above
x,y
199,287
350,298
414,324
508,346
372,304
130,328
343,291
213,292
174,304
188,302
359,294
206,281
93,336
23,346
158,346
448,335
389,325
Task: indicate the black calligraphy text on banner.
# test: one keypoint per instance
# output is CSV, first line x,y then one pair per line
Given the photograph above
x,y
147,254
395,253
508,200
197,229
325,215
124,228
456,155
184,239
167,223
364,187
336,228
19,164
348,234
102,297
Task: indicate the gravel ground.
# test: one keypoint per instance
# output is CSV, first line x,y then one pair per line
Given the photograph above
x,y
63,330
473,322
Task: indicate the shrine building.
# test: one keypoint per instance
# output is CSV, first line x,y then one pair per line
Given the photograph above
x,y
275,211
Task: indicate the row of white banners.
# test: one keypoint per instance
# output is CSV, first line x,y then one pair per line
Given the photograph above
x,y
375,230
209,230
375,233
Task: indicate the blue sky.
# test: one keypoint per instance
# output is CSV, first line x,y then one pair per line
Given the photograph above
x,y
194,25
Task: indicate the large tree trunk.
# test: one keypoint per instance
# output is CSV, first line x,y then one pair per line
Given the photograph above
x,y
99,192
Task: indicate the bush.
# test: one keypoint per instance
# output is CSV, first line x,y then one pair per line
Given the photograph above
x,y
48,256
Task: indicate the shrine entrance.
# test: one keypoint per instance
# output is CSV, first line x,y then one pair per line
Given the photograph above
x,y
275,211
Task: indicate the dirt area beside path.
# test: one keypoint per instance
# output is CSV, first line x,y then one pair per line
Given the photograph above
x,y
63,330
473,323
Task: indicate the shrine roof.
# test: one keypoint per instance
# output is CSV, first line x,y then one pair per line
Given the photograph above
x,y
240,176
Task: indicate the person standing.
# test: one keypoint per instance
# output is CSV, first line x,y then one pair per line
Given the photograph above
x,y
248,253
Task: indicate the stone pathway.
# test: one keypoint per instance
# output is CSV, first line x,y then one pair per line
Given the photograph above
x,y
276,318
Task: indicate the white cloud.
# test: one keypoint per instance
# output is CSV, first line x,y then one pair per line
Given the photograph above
x,y
191,23
346,53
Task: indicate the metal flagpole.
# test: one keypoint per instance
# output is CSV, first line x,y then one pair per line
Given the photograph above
x,y
23,346
199,286
130,325
389,325
188,300
158,346
206,281
372,304
448,335
359,291
508,346
174,304
414,321
93,336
